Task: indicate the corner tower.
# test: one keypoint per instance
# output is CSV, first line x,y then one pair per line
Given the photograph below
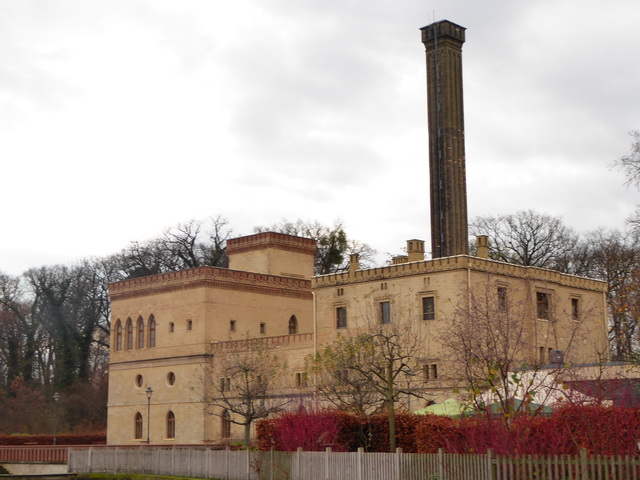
x,y
449,227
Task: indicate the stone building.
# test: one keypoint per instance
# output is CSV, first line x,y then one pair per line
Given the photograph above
x,y
170,330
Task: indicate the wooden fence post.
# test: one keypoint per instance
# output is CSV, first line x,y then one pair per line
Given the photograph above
x,y
396,462
327,454
207,453
226,463
248,463
271,465
298,462
490,469
359,464
583,464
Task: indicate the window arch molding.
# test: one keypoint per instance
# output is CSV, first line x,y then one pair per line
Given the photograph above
x,y
293,325
225,424
171,424
118,339
137,426
140,331
129,332
152,331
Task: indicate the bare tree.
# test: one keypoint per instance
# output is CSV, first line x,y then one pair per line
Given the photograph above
x,y
187,245
527,238
334,379
630,163
246,381
19,335
371,367
492,338
615,259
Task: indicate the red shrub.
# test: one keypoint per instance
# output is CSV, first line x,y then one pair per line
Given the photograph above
x,y
433,432
311,431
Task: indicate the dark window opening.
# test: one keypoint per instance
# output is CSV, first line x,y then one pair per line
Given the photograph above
x,y
341,317
428,308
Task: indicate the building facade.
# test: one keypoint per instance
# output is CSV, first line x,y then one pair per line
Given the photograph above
x,y
171,329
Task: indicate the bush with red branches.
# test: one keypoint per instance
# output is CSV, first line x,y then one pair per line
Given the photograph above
x,y
310,431
598,429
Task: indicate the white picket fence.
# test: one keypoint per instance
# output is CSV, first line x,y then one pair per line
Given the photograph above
x,y
205,462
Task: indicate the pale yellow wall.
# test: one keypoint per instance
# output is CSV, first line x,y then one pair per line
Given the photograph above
x,y
450,280
183,398
273,262
273,254
210,298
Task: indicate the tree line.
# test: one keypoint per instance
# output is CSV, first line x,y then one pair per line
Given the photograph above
x,y
55,320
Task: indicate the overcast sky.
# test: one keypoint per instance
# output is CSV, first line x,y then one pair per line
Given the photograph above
x,y
121,118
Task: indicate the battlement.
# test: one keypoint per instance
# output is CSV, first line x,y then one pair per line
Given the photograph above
x,y
209,276
458,262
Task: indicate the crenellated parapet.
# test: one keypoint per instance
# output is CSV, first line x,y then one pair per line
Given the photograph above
x,y
211,277
458,262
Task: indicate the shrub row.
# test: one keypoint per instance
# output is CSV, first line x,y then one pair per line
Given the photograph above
x,y
64,439
600,430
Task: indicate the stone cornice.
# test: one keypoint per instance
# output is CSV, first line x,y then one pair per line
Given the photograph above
x,y
459,262
211,277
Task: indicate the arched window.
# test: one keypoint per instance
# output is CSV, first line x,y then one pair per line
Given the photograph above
x,y
140,332
118,335
129,334
152,331
137,426
225,424
171,425
293,325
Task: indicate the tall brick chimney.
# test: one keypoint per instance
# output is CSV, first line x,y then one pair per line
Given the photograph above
x,y
449,227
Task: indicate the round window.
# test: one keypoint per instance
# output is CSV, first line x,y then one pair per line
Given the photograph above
x,y
139,380
171,378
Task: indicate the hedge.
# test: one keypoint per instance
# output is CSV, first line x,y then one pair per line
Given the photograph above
x,y
63,439
598,429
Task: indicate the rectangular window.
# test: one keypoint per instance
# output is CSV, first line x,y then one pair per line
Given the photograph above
x,y
428,308
263,328
385,312
575,309
502,299
341,317
301,379
430,371
543,305
541,355
171,327
232,325
225,384
189,324
340,292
